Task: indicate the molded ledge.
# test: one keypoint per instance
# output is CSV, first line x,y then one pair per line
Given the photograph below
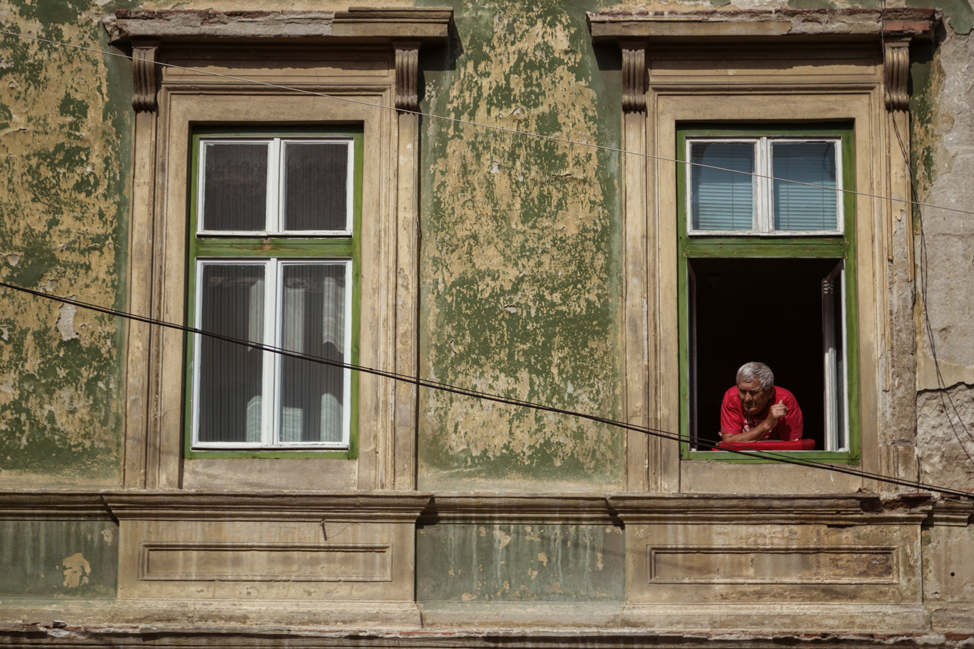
x,y
504,508
761,24
706,509
429,24
366,507
853,617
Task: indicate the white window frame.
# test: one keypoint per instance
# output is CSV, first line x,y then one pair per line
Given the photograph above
x,y
763,186
272,372
276,179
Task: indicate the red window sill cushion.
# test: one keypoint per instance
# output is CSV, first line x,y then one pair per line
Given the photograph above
x,y
769,445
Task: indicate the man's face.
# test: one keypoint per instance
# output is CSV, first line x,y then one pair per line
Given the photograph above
x,y
753,398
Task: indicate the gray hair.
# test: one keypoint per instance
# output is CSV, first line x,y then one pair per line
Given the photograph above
x,y
759,371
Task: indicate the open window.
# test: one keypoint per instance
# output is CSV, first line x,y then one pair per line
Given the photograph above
x,y
765,249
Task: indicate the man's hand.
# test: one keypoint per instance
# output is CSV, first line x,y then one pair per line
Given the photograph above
x,y
777,411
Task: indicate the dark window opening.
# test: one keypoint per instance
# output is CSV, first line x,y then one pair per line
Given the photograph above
x,y
768,310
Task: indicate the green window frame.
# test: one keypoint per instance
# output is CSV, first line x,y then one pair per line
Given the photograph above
x,y
746,260
279,251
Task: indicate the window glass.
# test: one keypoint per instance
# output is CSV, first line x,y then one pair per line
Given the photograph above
x,y
798,205
722,191
316,180
231,375
313,394
235,186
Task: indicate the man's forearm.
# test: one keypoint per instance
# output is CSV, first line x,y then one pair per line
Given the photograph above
x,y
753,435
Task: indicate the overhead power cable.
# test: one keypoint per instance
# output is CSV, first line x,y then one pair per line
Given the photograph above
x,y
564,140
504,129
486,396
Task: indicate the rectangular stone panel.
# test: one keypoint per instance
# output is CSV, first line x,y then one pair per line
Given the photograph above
x,y
748,565
266,562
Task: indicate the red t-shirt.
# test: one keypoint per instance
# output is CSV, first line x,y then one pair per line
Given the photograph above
x,y
733,419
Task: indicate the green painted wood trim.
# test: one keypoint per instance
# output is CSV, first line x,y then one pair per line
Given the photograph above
x,y
259,248
783,247
702,246
834,457
288,247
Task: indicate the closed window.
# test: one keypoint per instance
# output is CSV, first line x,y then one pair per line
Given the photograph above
x,y
274,262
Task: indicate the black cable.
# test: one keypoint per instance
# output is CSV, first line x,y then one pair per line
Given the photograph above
x,y
415,380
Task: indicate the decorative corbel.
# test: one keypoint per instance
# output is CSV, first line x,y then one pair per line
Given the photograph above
x,y
633,77
144,77
407,76
896,64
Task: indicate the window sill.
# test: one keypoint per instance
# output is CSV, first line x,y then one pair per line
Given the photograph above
x,y
765,457
271,454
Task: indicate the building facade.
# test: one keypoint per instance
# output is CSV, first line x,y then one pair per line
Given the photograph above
x,y
478,276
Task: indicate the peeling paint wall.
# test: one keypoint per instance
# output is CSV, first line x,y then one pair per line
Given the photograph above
x,y
942,111
56,559
520,266
543,563
64,163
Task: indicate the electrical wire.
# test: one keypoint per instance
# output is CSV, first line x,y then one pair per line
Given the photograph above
x,y
435,385
504,129
486,396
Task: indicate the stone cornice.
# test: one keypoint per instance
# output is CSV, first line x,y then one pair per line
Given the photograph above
x,y
375,507
368,25
53,505
480,508
720,25
704,509
952,513
518,508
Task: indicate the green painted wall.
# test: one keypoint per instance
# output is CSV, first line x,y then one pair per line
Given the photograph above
x,y
56,559
521,239
65,140
544,563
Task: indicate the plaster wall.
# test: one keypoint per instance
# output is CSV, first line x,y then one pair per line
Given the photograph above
x,y
520,255
65,123
520,293
943,133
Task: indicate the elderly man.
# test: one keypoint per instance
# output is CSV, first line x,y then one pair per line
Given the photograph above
x,y
755,409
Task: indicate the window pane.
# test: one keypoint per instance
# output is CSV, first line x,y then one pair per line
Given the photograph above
x,y
235,188
312,394
230,375
722,200
800,207
316,186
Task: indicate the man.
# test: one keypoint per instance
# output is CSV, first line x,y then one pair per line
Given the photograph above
x,y
755,409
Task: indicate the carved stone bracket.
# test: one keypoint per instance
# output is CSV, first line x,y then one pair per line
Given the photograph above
x,y
144,77
407,76
633,78
896,63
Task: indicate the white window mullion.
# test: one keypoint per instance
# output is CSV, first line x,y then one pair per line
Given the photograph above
x,y
839,195
271,360
350,190
765,202
274,198
197,350
347,358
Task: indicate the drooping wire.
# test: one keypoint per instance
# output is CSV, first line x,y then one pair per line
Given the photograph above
x,y
486,396
435,385
494,127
